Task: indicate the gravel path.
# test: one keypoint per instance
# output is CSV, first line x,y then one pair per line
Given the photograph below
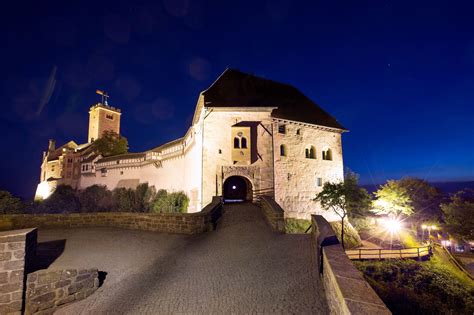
x,y
241,268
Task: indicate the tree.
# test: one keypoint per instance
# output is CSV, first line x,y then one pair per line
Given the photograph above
x,y
95,198
9,204
62,200
343,197
111,143
459,215
392,200
425,198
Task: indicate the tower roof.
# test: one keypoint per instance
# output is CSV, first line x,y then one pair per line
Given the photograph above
x,y
238,89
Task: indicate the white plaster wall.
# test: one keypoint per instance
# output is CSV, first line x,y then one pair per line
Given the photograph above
x,y
295,175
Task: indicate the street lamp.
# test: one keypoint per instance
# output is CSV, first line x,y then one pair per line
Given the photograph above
x,y
429,228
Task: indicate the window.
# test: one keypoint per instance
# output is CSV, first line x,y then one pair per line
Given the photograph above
x,y
109,116
220,151
236,143
298,132
310,152
282,150
69,160
319,181
281,129
327,155
121,172
244,143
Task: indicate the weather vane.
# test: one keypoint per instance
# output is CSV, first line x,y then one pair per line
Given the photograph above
x,y
104,95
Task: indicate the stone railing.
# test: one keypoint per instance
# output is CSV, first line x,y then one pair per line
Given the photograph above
x,y
273,213
181,223
17,252
47,290
346,290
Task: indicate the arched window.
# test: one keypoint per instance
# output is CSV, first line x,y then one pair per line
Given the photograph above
x,y
327,155
310,152
236,143
282,150
244,143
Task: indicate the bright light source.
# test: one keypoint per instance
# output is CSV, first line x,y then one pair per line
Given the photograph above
x,y
446,243
424,226
392,225
434,227
43,191
234,187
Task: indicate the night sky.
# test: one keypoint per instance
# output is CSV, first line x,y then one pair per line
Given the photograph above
x,y
400,77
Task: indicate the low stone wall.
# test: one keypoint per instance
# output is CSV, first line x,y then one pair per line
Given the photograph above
x,y
273,213
47,290
346,290
17,252
182,223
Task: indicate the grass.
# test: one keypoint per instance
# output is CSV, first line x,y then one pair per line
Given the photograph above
x,y
351,237
412,287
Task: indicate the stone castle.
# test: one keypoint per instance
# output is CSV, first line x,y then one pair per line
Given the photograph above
x,y
249,137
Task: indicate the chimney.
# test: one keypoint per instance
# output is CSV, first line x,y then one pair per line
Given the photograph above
x,y
51,145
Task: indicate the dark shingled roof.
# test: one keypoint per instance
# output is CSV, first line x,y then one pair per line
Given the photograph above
x,y
237,89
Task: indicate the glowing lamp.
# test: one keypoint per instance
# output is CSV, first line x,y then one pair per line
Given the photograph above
x,y
393,225
424,226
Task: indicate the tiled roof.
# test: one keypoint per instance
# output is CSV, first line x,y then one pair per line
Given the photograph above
x,y
237,89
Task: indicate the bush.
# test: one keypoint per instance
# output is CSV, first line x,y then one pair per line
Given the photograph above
x,y
351,237
411,287
124,199
175,202
10,204
62,200
96,198
296,225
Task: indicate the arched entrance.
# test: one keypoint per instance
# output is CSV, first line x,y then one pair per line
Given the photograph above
x,y
237,189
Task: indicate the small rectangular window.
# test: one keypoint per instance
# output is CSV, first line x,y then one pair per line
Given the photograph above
x,y
282,129
109,116
319,181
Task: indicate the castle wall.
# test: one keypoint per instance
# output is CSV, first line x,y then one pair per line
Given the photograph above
x,y
217,151
296,176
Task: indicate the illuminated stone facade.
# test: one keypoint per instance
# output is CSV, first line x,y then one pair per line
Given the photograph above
x,y
268,135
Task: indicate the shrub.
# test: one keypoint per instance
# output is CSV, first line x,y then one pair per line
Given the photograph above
x,y
96,198
10,204
124,199
62,200
175,202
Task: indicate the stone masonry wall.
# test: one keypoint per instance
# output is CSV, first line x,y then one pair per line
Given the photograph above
x,y
273,213
47,290
345,288
181,223
17,251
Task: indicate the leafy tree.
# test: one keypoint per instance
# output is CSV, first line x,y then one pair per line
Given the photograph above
x,y
425,198
459,215
392,200
144,196
124,199
343,197
111,144
62,200
9,204
95,198
359,201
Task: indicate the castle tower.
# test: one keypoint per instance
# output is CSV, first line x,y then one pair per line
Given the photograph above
x,y
103,117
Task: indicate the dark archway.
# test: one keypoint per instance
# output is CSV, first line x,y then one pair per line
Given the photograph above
x,y
237,188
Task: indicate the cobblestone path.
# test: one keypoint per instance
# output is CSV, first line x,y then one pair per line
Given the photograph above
x,y
241,268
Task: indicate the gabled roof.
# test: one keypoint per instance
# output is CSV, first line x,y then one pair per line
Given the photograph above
x,y
238,89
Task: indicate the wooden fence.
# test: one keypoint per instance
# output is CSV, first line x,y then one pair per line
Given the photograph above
x,y
376,253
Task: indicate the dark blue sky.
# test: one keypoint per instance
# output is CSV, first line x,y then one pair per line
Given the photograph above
x,y
398,74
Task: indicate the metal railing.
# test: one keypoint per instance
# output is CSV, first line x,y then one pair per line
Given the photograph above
x,y
379,253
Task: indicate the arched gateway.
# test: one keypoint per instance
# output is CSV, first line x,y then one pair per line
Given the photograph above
x,y
237,188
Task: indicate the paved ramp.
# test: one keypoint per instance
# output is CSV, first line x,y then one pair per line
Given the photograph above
x,y
242,267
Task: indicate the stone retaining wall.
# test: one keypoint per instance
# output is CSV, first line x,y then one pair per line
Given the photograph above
x,y
47,290
17,252
346,290
273,213
182,223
